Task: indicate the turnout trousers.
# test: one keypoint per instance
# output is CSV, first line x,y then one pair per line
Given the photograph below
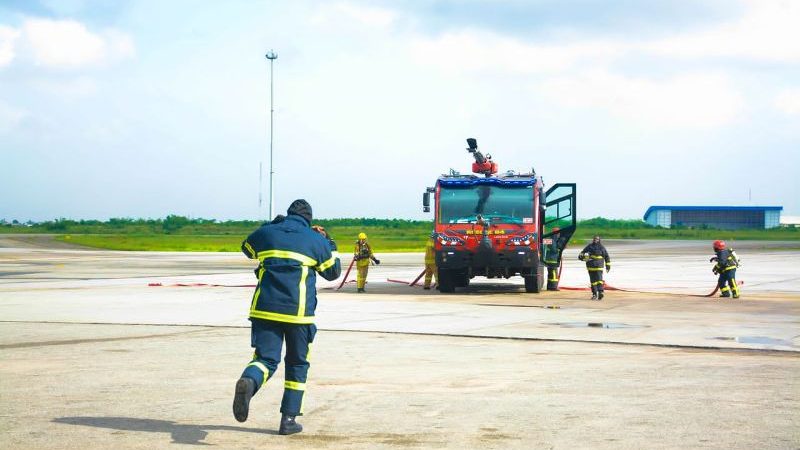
x,y
267,338
596,279
430,274
552,276
362,270
727,284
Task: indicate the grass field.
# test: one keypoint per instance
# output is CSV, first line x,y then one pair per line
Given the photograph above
x,y
389,239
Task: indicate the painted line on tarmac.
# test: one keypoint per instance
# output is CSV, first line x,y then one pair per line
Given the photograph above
x,y
774,352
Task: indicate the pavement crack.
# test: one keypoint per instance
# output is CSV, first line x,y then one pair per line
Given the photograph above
x,y
96,340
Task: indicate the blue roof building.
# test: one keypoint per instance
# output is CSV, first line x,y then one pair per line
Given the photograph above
x,y
721,217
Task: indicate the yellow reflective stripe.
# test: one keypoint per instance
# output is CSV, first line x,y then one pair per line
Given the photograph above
x,y
258,290
301,307
729,268
277,317
294,385
594,269
330,262
250,249
595,257
262,368
286,254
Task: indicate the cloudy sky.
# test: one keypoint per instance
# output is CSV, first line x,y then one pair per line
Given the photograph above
x,y
148,108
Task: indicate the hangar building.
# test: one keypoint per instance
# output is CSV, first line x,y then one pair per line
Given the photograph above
x,y
721,217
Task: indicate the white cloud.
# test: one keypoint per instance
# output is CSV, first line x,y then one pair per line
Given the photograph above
x,y
7,37
768,31
489,52
343,14
788,101
68,43
690,101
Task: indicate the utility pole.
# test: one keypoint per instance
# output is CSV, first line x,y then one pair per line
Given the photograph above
x,y
271,56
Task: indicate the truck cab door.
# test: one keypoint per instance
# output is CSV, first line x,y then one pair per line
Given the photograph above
x,y
559,212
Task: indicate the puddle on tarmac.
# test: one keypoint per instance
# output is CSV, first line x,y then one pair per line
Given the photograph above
x,y
597,325
757,340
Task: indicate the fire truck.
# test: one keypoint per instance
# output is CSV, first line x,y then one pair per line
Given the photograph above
x,y
495,226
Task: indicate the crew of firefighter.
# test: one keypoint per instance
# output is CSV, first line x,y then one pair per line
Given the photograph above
x,y
430,262
596,256
725,264
552,258
363,256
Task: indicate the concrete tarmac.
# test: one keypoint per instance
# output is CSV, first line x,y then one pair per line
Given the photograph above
x,y
96,354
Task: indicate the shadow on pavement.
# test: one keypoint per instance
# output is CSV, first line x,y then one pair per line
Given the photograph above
x,y
180,433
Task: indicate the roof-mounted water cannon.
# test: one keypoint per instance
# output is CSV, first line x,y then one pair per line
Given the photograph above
x,y
483,164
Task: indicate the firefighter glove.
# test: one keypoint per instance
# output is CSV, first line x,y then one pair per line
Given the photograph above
x,y
377,261
608,268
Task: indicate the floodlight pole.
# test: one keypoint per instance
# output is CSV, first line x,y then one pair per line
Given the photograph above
x,y
271,56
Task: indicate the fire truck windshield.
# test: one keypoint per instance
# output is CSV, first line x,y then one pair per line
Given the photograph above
x,y
502,204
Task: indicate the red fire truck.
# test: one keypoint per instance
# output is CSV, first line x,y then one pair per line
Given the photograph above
x,y
494,225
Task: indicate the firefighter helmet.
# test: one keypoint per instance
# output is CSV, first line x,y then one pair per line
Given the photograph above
x,y
719,245
362,236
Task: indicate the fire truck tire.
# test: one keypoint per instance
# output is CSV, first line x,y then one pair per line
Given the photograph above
x,y
535,280
446,281
462,280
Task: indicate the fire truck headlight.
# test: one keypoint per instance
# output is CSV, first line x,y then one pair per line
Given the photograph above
x,y
527,242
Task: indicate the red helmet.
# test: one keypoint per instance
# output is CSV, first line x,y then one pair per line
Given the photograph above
x,y
719,245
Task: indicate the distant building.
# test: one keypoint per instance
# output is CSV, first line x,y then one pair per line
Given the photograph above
x,y
722,217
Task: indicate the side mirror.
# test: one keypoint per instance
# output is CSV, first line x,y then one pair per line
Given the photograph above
x,y
426,202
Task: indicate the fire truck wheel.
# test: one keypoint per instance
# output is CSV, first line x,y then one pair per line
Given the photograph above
x,y
446,281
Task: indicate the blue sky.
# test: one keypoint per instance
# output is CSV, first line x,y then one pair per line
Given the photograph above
x,y
148,108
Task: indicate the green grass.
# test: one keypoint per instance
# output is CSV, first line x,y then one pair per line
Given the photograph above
x,y
177,233
156,242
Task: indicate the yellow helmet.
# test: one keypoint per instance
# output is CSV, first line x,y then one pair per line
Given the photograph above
x,y
362,235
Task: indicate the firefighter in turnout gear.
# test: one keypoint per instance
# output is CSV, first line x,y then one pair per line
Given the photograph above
x,y
290,253
430,262
363,255
552,258
725,264
596,257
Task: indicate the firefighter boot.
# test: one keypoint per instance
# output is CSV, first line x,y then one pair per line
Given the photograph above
x,y
600,295
289,425
360,290
245,388
594,293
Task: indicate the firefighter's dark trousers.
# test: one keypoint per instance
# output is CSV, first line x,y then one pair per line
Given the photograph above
x,y
267,339
596,279
727,284
552,276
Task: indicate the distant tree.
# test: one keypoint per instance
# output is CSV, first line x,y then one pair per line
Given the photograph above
x,y
174,223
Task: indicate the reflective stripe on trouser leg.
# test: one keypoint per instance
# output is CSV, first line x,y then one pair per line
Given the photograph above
x,y
596,278
732,282
430,271
552,277
361,276
267,339
298,342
